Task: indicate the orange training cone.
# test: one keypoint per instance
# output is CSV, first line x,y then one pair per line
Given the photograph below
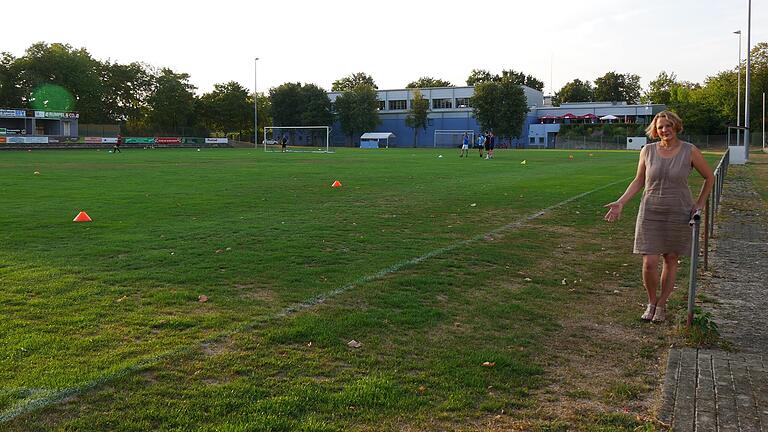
x,y
82,217
336,184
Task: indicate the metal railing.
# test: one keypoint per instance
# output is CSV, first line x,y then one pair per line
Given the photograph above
x,y
710,211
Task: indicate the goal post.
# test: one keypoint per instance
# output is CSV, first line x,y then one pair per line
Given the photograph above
x,y
453,137
313,139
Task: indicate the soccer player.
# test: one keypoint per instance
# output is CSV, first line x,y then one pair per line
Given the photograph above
x,y
284,143
480,144
464,146
118,143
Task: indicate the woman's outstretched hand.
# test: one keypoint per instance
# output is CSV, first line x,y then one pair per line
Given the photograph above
x,y
614,211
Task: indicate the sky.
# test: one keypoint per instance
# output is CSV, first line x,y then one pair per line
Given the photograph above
x,y
396,41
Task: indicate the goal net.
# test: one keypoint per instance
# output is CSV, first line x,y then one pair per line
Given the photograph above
x,y
315,139
453,138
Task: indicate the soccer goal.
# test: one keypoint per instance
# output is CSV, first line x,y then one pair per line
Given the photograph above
x,y
314,139
453,138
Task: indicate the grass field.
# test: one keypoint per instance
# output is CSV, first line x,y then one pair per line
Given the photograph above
x,y
435,265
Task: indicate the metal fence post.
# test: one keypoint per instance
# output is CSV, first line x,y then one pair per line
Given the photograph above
x,y
694,223
707,218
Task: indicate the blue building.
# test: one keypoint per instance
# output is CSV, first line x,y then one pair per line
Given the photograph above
x,y
449,109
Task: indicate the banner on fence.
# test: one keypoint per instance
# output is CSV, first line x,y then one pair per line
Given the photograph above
x,y
216,140
139,140
12,113
109,140
189,140
27,140
2,140
168,140
56,114
93,140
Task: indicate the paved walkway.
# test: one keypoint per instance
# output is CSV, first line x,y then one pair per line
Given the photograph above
x,y
712,390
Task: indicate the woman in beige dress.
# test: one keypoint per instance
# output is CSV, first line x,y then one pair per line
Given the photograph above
x,y
667,205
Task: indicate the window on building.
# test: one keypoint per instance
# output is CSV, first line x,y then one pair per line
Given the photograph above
x,y
398,104
463,103
541,140
381,105
333,107
442,103
532,140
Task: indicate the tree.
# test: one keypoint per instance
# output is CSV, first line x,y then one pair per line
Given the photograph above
x,y
428,82
618,87
417,116
478,76
357,110
294,104
574,91
172,106
10,92
352,81
127,89
522,79
228,108
286,100
69,74
500,107
316,107
659,91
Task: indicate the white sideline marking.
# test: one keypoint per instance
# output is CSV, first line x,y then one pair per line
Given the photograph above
x,y
56,396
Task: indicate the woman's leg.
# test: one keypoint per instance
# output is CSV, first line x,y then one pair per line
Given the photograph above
x,y
651,276
668,277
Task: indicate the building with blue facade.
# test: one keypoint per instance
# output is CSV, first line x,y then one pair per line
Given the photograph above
x,y
449,109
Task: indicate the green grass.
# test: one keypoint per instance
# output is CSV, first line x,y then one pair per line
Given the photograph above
x,y
115,301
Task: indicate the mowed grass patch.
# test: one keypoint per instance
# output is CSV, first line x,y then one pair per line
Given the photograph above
x,y
285,267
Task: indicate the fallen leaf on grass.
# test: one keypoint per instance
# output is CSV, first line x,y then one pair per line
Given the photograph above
x,y
354,344
489,364
202,298
122,298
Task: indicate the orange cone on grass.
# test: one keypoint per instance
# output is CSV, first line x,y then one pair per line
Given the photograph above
x,y
82,217
336,184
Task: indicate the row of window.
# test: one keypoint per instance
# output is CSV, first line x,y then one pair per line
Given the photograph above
x,y
402,104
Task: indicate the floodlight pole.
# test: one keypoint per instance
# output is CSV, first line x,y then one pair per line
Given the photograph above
x,y
255,107
738,94
763,121
746,87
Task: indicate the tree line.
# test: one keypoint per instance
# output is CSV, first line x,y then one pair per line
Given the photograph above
x,y
145,100
707,108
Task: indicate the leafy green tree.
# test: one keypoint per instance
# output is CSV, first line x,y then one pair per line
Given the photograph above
x,y
10,94
522,79
294,104
71,69
127,89
265,113
357,110
429,82
478,76
659,91
418,115
172,105
618,87
574,91
500,107
316,107
227,108
286,100
352,81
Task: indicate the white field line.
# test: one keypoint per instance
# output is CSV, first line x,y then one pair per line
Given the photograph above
x,y
54,396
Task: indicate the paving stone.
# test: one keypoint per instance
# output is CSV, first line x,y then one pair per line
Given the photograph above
x,y
714,390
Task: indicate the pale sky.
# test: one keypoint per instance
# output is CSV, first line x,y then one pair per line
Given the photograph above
x,y
396,41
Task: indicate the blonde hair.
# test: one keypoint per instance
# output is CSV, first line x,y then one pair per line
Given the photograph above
x,y
677,123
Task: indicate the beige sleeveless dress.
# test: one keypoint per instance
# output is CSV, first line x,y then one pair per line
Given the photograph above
x,y
662,222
